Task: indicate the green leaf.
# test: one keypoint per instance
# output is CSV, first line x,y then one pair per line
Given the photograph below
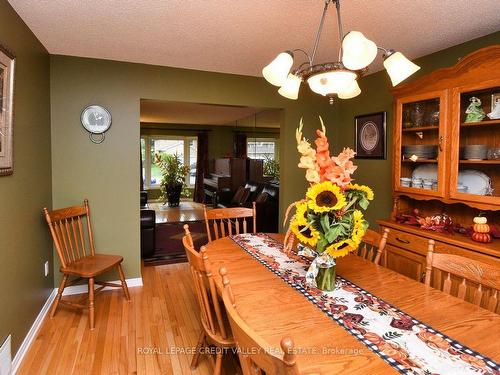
x,y
325,223
363,203
333,233
321,244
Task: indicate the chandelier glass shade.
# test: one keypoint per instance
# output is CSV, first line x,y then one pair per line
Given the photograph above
x,y
335,79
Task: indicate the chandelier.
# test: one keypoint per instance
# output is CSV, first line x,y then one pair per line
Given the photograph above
x,y
338,78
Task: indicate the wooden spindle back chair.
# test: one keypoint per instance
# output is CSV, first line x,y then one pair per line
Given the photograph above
x,y
222,222
256,356
469,271
71,231
372,245
213,318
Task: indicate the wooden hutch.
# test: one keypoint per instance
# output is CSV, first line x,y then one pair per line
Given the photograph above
x,y
431,111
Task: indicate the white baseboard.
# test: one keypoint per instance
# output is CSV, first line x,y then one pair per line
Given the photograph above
x,y
79,289
30,336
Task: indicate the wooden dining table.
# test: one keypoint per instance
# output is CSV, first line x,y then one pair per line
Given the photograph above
x,y
274,309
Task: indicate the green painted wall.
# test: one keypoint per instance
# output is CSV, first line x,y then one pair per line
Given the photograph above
x,y
108,174
24,239
376,97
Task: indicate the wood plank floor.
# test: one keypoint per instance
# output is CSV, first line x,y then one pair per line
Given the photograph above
x,y
130,337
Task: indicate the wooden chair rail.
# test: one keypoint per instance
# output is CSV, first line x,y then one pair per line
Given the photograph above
x,y
467,271
372,246
222,222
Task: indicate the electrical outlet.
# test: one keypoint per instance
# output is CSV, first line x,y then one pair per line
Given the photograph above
x,y
5,357
46,268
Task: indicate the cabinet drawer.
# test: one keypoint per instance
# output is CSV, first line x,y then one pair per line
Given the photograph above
x,y
408,241
404,262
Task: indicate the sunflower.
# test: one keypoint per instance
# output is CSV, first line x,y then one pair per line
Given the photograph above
x,y
301,213
341,248
362,188
325,197
358,230
305,233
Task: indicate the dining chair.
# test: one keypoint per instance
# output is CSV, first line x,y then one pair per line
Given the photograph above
x,y
226,221
71,230
468,271
256,356
215,326
372,245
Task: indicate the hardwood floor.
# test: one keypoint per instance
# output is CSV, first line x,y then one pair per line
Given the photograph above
x,y
137,337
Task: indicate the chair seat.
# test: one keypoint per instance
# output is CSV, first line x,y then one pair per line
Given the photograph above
x,y
92,266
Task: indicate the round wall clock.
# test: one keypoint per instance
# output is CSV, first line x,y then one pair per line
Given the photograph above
x,y
96,120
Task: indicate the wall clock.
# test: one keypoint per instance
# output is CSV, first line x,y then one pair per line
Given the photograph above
x,y
96,120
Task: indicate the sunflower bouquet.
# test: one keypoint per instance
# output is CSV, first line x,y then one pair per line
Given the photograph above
x,y
329,221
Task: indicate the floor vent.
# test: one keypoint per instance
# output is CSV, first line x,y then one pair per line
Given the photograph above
x,y
5,358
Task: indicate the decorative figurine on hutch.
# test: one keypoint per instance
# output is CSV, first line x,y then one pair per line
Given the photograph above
x,y
474,111
481,230
495,113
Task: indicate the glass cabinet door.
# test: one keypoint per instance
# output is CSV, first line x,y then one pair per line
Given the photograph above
x,y
475,158
419,144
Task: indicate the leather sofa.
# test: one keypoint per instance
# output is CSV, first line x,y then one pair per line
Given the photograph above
x,y
148,233
266,197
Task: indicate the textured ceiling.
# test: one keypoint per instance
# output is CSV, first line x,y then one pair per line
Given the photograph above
x,y
241,36
165,112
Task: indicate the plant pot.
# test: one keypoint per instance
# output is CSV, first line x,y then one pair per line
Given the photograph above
x,y
325,279
173,194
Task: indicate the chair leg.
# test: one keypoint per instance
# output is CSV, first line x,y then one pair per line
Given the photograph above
x,y
124,283
91,303
196,357
60,291
218,363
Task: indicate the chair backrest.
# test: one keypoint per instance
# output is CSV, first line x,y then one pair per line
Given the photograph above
x,y
222,222
212,314
254,353
71,231
466,270
372,245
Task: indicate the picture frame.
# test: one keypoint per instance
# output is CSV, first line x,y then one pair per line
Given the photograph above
x,y
370,136
7,70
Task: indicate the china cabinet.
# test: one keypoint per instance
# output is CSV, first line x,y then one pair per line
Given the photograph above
x,y
446,160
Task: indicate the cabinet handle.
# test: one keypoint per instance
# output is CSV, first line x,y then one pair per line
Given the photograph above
x,y
441,143
422,277
403,241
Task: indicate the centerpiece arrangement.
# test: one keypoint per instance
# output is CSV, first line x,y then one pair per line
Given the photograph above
x,y
328,222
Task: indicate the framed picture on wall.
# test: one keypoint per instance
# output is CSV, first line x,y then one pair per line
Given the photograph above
x,y
7,63
370,136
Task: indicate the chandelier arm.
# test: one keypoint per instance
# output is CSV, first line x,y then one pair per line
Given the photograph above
x,y
341,31
320,29
305,53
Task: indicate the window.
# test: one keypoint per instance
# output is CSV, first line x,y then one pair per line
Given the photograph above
x,y
262,148
185,147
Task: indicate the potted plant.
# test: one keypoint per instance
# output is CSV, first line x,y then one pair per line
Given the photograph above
x,y
174,174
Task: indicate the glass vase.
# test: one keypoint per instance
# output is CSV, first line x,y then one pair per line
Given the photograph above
x,y
325,279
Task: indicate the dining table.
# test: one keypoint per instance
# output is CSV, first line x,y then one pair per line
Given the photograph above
x,y
275,309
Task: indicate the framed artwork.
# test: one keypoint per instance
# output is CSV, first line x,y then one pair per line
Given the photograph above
x,y
7,64
370,136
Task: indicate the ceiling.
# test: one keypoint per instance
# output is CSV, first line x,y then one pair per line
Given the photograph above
x,y
166,112
242,36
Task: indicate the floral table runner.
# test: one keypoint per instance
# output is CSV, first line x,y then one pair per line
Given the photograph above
x,y
405,343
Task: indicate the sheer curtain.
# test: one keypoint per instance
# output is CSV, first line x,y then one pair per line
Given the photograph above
x,y
201,167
